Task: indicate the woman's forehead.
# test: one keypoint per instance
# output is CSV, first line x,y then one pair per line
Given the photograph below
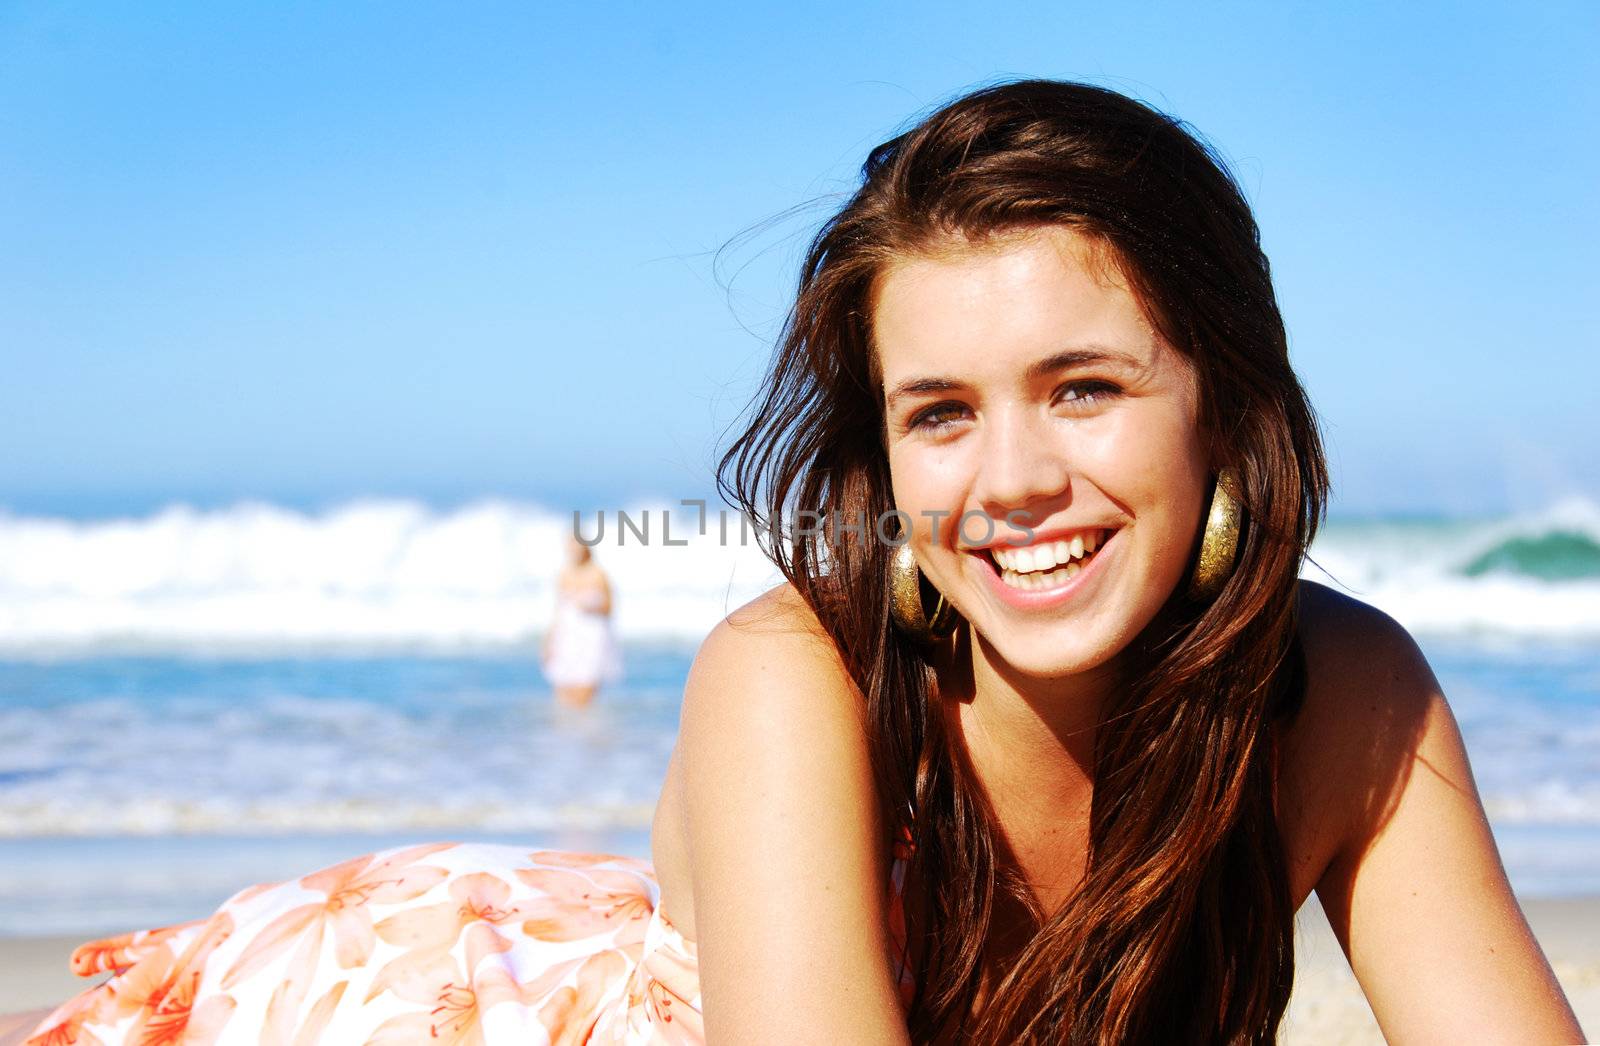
x,y
1003,303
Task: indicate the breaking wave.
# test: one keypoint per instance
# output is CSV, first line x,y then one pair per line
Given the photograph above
x,y
400,575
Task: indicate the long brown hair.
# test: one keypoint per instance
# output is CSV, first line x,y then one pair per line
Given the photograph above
x,y
1182,928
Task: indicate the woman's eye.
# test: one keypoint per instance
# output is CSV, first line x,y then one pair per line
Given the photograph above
x,y
1084,393
939,416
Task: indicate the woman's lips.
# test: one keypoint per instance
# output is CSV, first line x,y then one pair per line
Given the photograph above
x,y
1055,586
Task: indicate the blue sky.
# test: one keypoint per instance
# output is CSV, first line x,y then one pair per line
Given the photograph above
x,y
316,251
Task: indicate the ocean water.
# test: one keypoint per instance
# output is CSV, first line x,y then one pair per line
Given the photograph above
x,y
193,701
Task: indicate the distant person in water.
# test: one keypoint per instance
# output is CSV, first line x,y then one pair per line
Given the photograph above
x,y
580,649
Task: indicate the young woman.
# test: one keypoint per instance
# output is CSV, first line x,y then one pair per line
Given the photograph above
x,y
580,649
1065,778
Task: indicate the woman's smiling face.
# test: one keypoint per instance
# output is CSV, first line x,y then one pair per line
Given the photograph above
x,y
1023,382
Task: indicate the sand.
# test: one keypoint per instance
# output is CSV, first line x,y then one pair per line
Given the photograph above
x,y
1327,1008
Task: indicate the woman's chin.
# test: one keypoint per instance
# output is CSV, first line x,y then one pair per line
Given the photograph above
x,y
1046,656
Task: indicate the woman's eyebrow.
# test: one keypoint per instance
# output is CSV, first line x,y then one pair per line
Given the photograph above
x,y
917,386
1074,357
1081,355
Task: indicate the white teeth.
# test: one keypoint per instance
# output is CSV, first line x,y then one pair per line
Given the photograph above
x,y
1049,563
1040,580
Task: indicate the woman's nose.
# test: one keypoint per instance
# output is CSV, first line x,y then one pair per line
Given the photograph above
x,y
1021,464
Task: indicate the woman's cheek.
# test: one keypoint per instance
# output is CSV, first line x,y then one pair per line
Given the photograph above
x,y
1152,452
1107,445
918,491
939,483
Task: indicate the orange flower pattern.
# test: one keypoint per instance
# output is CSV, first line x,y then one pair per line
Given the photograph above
x,y
461,944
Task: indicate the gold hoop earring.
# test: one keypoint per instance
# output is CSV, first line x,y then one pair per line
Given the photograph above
x,y
1220,542
905,601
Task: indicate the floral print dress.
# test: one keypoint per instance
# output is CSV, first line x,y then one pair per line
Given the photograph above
x,y
441,944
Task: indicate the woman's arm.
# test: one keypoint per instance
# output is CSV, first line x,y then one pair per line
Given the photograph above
x,y
1416,892
784,837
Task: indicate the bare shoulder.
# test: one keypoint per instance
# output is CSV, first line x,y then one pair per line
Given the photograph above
x,y
1346,635
1370,696
778,800
1410,879
777,624
759,679
1365,674
1367,682
769,658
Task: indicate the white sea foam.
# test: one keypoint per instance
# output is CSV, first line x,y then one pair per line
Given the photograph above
x,y
397,574
367,574
1532,575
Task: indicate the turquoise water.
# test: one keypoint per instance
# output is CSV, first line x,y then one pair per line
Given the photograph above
x,y
1557,556
141,790
194,700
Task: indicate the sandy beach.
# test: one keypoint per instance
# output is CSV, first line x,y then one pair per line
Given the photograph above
x,y
1327,1008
